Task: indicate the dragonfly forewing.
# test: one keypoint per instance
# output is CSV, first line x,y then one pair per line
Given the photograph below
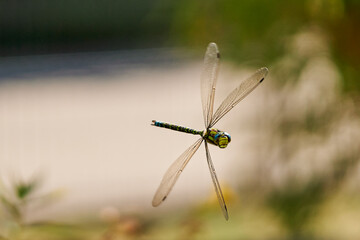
x,y
208,81
216,183
173,173
238,94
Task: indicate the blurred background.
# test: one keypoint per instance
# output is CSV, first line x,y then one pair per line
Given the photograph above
x,y
80,82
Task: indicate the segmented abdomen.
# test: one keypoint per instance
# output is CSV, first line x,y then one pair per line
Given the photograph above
x,y
176,127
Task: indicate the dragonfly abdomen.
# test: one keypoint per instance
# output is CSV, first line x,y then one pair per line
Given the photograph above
x,y
176,128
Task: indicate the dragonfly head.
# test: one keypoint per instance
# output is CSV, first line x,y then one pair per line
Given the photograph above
x,y
222,139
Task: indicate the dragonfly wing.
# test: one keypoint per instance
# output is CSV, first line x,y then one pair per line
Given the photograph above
x,y
216,183
173,173
239,94
208,81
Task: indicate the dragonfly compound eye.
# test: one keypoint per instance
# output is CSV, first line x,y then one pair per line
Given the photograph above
x,y
228,136
222,139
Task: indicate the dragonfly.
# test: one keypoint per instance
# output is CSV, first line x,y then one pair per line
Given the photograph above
x,y
210,135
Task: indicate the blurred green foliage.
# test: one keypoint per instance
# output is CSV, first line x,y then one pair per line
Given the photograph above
x,y
297,205
255,32
260,29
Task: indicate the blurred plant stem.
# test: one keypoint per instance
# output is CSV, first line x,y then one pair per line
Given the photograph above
x,y
16,200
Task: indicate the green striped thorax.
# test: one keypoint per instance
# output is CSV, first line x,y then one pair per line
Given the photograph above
x,y
212,135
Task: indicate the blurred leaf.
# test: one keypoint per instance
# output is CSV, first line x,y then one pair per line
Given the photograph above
x,y
296,204
24,189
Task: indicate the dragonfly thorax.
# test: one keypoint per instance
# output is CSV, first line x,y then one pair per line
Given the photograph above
x,y
217,137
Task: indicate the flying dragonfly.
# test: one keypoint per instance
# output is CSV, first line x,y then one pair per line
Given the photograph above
x,y
210,135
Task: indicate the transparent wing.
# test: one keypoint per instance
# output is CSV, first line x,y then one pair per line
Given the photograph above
x,y
173,173
208,81
239,94
216,183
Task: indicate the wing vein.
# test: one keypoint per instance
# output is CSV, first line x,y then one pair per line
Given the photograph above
x,y
173,173
238,94
208,81
216,183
